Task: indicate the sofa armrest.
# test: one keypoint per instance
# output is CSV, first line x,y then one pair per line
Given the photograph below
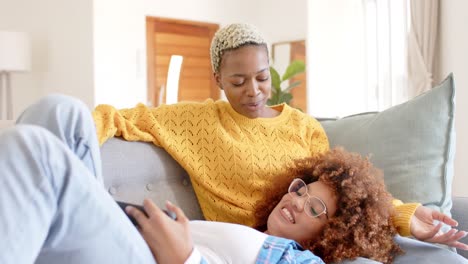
x,y
460,213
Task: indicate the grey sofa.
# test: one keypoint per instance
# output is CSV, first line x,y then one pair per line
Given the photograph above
x,y
413,143
136,170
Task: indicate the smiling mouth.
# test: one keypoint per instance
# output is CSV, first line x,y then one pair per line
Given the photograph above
x,y
288,215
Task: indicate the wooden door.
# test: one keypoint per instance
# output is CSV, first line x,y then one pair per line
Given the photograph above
x,y
298,52
166,37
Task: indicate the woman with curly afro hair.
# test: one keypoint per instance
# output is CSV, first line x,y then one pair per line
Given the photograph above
x,y
343,200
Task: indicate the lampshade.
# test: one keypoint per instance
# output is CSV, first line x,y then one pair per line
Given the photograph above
x,y
15,51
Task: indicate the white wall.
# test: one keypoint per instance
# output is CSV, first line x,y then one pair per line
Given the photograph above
x,y
335,48
61,36
119,53
453,57
281,20
120,37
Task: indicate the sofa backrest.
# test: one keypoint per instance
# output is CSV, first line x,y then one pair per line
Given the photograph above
x,y
133,171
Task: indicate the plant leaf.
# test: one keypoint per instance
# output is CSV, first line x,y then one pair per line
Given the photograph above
x,y
274,98
293,69
286,98
270,102
292,85
275,79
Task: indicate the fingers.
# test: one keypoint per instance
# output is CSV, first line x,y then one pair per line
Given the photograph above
x,y
443,238
179,213
451,238
459,235
138,215
432,234
151,208
153,212
436,215
459,245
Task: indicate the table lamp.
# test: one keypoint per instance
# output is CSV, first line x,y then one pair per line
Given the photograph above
x,y
15,56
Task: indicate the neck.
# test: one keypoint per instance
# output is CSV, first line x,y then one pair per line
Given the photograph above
x,y
269,112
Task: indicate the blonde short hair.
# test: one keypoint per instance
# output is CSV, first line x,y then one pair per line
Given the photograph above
x,y
232,37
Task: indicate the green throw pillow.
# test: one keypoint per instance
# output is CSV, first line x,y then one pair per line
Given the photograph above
x,y
413,143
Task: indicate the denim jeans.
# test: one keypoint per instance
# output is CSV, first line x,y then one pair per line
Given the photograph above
x,y
53,206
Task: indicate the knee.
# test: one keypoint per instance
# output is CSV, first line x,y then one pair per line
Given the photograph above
x,y
62,103
56,108
24,137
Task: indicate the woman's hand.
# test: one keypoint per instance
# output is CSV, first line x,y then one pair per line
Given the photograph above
x,y
422,227
170,240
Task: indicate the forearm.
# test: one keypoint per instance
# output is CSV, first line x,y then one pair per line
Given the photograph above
x,y
319,140
133,124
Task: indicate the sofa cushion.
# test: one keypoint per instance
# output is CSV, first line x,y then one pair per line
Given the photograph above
x,y
413,143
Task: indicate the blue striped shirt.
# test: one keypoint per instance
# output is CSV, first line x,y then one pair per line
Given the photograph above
x,y
274,250
280,250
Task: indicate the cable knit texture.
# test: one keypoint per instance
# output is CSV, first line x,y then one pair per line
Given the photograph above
x,y
229,157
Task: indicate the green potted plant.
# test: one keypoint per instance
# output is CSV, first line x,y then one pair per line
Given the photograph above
x,y
283,95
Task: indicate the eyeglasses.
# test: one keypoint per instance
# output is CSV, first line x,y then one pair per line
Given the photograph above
x,y
313,206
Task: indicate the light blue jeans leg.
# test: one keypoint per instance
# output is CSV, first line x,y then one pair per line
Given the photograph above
x,y
418,252
70,120
422,252
53,210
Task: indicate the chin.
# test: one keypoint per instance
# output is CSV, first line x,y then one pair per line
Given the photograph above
x,y
275,226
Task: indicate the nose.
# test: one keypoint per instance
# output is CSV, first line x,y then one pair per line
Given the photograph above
x,y
298,203
253,89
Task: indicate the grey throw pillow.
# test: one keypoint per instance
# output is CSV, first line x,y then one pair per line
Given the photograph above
x,y
413,143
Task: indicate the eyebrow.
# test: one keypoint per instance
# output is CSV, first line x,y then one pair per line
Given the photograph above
x,y
242,75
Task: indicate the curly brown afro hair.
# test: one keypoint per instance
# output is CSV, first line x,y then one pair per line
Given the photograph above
x,y
361,226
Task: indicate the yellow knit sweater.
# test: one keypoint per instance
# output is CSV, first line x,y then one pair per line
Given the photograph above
x,y
229,157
